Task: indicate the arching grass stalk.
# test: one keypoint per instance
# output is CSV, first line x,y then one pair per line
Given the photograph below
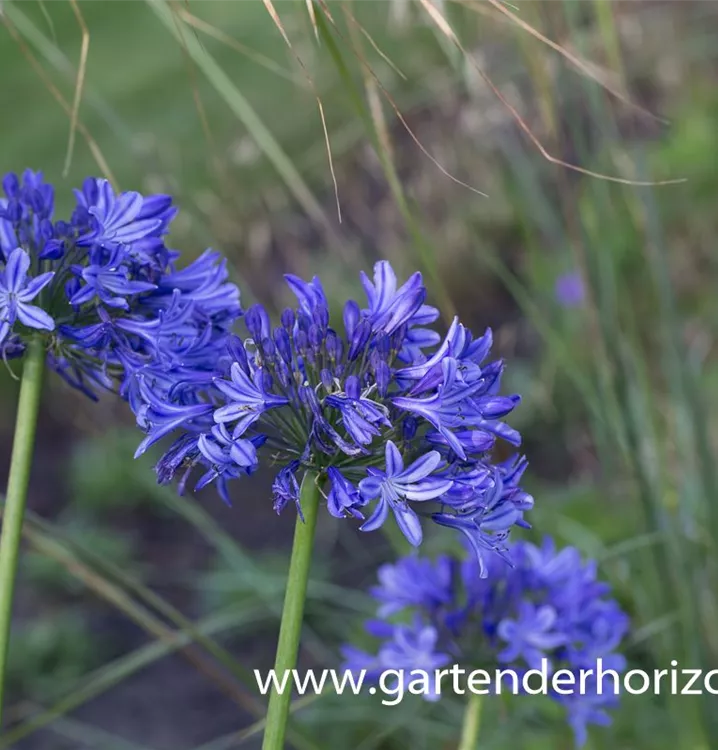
x,y
20,465
293,612
472,723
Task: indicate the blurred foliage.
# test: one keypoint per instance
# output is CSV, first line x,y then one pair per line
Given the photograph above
x,y
50,578
50,654
100,478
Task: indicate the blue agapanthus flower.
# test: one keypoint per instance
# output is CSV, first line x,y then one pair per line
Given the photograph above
x,y
390,427
106,294
548,605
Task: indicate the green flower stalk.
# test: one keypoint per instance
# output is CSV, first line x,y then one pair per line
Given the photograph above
x,y
293,611
472,724
16,498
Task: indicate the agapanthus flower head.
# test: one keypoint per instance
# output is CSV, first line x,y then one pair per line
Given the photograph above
x,y
548,607
390,419
105,293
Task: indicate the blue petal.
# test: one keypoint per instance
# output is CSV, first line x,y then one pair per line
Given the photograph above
x,y
428,489
211,451
16,267
378,517
394,461
351,317
384,283
370,488
454,443
501,519
85,294
230,412
409,523
368,289
244,424
403,306
418,371
243,453
35,317
5,327
124,208
545,617
421,468
423,337
34,287
206,479
136,230
352,387
424,315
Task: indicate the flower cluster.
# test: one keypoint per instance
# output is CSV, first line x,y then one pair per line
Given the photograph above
x,y
104,290
382,413
547,605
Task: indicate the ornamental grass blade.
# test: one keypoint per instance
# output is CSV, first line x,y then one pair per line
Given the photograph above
x,y
278,23
79,84
118,670
444,26
54,91
50,51
376,128
247,115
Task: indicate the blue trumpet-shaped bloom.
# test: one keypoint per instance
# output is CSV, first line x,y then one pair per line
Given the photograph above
x,y
361,417
549,605
531,634
405,648
286,488
343,498
109,300
389,307
121,219
395,486
246,398
387,427
17,291
226,454
390,418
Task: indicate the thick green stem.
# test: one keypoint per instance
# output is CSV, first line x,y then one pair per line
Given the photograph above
x,y
293,613
20,464
472,724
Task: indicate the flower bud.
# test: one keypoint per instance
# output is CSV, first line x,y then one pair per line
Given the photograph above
x,y
359,339
284,347
288,318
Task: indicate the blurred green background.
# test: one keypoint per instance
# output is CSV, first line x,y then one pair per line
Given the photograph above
x,y
205,100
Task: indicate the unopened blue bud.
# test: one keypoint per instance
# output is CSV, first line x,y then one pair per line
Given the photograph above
x,y
359,339
288,318
334,346
13,211
238,353
327,379
409,427
268,348
315,337
383,377
301,341
283,344
257,322
320,316
11,185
